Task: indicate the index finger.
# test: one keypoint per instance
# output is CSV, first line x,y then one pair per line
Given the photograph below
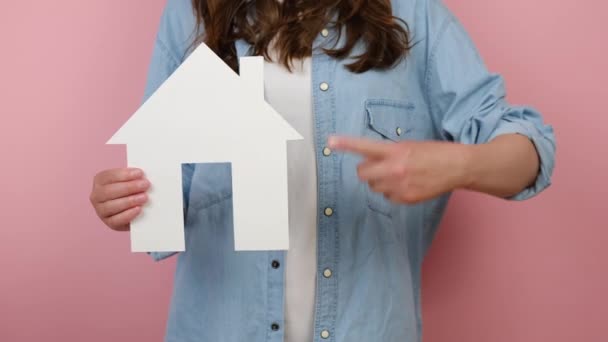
x,y
365,147
118,175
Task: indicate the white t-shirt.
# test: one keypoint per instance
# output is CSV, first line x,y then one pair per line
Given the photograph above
x,y
290,94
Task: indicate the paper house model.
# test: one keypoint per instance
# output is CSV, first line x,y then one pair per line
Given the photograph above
x,y
206,113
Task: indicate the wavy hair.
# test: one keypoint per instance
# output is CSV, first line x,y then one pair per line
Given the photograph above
x,y
292,25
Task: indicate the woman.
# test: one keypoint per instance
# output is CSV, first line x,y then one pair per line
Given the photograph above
x,y
397,110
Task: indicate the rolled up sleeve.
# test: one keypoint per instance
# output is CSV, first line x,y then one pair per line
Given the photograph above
x,y
468,102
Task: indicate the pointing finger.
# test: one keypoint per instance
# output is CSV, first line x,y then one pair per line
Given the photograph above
x,y
366,147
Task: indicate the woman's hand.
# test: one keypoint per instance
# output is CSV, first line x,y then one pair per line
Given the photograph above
x,y
410,171
118,196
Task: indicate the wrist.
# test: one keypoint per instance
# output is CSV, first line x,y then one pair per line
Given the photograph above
x,y
469,161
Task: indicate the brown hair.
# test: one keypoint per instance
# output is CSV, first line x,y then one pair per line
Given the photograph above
x,y
296,23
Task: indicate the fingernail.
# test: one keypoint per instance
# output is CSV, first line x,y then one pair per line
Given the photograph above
x,y
143,184
141,198
136,173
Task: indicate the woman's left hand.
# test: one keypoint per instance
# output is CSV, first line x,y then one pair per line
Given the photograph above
x,y
409,171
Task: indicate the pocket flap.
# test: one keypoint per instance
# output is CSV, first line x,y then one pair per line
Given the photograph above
x,y
391,119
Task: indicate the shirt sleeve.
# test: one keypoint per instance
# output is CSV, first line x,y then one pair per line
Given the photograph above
x,y
162,64
468,102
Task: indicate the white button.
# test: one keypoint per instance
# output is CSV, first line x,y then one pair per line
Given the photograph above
x,y
324,86
399,131
329,211
326,151
327,273
324,32
324,334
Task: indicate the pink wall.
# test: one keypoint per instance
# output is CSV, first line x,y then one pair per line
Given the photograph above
x,y
72,70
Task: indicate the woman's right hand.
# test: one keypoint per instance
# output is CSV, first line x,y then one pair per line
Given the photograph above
x,y
118,196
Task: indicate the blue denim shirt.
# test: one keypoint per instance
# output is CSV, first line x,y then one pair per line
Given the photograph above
x,y
374,248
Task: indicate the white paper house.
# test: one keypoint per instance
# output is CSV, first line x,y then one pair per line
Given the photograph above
x,y
204,112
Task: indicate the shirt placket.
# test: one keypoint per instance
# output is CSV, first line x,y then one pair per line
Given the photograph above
x,y
323,68
275,297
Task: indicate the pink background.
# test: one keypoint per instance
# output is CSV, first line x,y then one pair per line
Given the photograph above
x,y
73,70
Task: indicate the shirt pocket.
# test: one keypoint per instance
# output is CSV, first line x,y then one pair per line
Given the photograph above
x,y
395,121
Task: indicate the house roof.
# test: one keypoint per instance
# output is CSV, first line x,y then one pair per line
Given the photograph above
x,y
206,101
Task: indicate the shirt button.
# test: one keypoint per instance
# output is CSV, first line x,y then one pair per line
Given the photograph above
x,y
325,32
327,273
274,326
324,86
328,212
326,151
399,131
325,334
275,264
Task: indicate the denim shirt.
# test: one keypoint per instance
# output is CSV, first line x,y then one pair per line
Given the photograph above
x,y
373,248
